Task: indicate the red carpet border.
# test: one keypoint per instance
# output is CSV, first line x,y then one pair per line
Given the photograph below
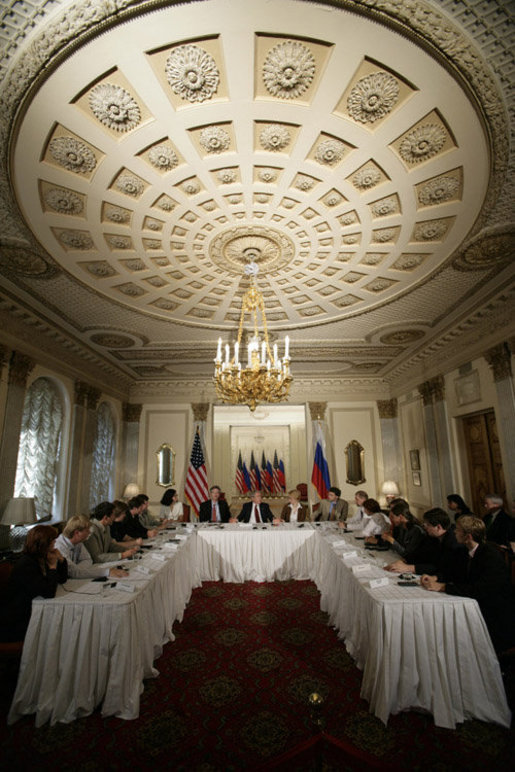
x,y
233,695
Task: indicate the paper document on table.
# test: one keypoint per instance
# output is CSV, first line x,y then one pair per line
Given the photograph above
x,y
349,555
379,582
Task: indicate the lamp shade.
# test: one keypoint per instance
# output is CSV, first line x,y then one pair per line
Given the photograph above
x,y
131,489
19,511
390,488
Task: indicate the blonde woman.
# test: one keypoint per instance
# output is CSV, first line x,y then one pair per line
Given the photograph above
x,y
294,512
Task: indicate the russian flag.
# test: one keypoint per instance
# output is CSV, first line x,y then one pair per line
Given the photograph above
x,y
320,475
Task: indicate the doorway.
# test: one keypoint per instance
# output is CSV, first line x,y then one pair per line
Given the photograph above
x,y
483,457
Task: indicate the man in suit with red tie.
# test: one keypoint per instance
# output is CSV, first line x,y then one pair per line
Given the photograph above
x,y
256,511
215,509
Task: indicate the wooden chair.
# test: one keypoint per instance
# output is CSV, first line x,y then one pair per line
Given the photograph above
x,y
186,509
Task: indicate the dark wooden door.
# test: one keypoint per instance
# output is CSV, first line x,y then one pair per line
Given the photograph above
x,y
484,458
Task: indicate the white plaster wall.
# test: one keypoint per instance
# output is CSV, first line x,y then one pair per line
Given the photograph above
x,y
351,421
160,424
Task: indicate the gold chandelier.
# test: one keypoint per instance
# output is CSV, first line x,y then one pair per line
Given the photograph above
x,y
266,377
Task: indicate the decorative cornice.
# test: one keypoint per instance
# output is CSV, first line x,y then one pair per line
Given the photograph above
x,y
20,367
317,410
499,359
131,412
425,392
387,408
200,410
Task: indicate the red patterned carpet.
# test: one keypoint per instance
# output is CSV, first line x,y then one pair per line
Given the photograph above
x,y
233,694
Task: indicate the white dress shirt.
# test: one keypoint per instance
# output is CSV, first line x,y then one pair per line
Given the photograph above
x,y
376,525
80,564
358,521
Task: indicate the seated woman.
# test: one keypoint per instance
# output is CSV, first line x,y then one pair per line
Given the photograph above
x,y
294,512
377,523
36,574
171,507
407,532
457,506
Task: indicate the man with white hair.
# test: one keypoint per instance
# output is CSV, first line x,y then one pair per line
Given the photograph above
x,y
70,545
500,527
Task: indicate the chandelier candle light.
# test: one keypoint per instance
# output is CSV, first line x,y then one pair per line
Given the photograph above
x,y
266,377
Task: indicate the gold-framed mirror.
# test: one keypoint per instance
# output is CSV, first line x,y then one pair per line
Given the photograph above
x,y
165,456
355,463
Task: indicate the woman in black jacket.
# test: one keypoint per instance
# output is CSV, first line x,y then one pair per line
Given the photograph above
x,y
35,574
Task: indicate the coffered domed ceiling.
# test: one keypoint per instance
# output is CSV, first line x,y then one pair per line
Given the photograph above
x,y
153,161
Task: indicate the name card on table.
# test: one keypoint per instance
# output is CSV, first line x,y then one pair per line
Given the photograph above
x,y
143,569
159,556
125,586
383,582
348,555
361,569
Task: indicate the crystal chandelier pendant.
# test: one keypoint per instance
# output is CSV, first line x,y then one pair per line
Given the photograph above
x,y
265,377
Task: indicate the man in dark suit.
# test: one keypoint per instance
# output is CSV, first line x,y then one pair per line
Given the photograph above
x,y
480,572
500,527
215,509
256,511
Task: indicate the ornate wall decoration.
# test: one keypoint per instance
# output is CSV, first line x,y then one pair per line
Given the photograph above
x,y
191,187
387,408
131,411
267,175
101,269
192,73
119,242
112,340
372,258
366,178
130,185
135,265
117,214
226,176
114,107
430,231
25,262
76,240
499,359
401,337
348,219
63,201
422,143
166,204
379,285
384,207
329,152
304,183
288,70
132,290
274,137
333,199
234,248
163,157
153,225
373,97
408,262
439,190
487,251
383,236
214,139
200,410
152,244
72,154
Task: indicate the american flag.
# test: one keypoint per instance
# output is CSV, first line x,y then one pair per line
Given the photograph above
x,y
196,488
275,478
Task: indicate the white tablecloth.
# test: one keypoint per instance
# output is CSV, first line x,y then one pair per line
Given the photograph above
x,y
82,649
417,649
263,554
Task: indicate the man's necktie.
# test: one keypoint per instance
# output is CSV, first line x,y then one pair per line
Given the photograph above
x,y
256,513
331,507
213,514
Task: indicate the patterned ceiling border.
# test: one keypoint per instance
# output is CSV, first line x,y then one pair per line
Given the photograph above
x,y
416,20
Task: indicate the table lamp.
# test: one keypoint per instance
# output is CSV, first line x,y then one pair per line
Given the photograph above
x,y
18,513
